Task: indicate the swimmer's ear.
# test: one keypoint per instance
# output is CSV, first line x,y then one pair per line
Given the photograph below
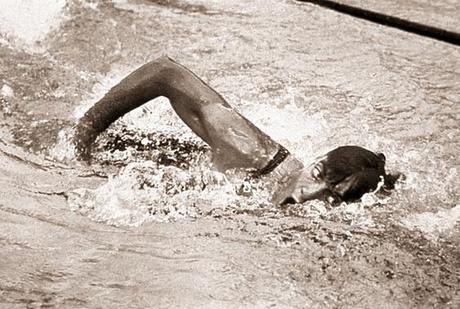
x,y
288,201
390,180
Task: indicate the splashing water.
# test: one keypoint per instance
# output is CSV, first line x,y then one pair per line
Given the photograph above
x,y
27,22
145,191
65,149
291,126
434,224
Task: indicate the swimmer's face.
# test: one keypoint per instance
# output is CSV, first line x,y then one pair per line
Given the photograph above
x,y
305,187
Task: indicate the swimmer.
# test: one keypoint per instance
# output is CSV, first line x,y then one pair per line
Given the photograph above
x,y
344,174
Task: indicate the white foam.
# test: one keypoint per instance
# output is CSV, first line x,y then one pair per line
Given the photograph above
x,y
145,191
7,91
29,20
434,224
291,126
65,149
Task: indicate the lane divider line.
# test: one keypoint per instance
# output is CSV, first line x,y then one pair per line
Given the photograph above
x,y
391,21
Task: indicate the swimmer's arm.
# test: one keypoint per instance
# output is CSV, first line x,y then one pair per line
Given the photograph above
x,y
197,104
144,84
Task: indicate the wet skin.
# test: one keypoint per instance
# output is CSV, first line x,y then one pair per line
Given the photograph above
x,y
344,174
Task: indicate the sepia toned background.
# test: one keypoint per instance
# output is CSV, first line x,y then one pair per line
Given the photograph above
x,y
133,231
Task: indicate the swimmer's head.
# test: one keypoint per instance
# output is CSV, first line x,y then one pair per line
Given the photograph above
x,y
343,174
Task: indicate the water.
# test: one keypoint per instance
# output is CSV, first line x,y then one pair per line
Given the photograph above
x,y
149,224
28,22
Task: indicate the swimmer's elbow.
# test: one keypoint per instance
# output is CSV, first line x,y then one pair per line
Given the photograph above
x,y
156,67
163,61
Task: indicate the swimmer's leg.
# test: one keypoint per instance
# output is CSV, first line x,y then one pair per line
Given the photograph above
x,y
235,141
